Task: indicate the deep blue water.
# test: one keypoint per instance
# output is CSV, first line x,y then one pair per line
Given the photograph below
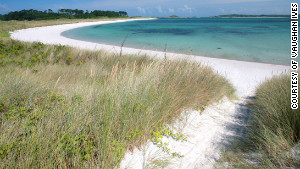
x,y
250,39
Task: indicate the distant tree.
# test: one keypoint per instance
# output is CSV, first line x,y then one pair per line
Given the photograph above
x,y
174,16
62,11
105,13
79,12
1,17
32,14
50,11
123,13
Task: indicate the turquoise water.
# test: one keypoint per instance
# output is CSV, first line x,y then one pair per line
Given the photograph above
x,y
250,39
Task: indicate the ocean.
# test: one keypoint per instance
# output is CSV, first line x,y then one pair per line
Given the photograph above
x,y
265,40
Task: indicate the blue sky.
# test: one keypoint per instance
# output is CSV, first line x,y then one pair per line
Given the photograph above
x,y
183,8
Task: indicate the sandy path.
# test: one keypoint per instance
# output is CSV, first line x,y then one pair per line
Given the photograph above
x,y
207,132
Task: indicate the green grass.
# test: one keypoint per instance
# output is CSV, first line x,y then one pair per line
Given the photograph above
x,y
274,131
62,107
4,34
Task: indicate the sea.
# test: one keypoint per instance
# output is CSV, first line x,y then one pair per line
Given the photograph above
x,y
265,40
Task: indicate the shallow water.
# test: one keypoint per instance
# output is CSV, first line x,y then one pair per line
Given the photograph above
x,y
264,40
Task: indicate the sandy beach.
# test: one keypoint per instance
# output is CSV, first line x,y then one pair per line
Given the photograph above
x,y
244,76
207,132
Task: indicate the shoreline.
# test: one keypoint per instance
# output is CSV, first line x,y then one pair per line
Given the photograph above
x,y
244,76
176,53
207,132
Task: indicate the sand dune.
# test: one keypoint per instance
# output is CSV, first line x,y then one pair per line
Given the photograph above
x,y
207,132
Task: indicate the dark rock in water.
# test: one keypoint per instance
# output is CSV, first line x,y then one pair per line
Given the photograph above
x,y
95,27
219,48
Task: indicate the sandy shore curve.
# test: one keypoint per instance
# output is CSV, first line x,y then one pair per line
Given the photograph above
x,y
245,76
208,131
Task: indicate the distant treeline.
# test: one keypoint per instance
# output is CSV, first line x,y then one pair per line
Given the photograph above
x,y
240,15
62,13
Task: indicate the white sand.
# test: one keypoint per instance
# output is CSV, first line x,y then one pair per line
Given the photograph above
x,y
207,132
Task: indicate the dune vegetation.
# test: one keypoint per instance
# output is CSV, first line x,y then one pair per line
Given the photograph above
x,y
274,131
62,107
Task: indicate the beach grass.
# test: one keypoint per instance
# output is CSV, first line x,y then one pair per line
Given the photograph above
x,y
274,136
62,107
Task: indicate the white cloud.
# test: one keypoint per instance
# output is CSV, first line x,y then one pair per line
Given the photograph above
x,y
141,10
159,9
171,10
186,8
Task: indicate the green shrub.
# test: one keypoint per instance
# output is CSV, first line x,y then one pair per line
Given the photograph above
x,y
69,60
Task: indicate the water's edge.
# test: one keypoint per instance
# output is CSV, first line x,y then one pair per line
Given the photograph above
x,y
211,50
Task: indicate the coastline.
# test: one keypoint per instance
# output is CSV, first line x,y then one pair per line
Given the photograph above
x,y
174,53
207,131
244,76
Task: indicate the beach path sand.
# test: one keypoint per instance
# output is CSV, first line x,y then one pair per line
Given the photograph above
x,y
207,132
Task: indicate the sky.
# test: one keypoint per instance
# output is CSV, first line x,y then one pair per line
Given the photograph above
x,y
158,8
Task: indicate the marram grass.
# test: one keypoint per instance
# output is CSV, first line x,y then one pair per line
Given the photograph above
x,y
67,108
274,132
277,126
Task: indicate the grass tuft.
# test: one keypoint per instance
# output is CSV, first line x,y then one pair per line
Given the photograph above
x,y
274,136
